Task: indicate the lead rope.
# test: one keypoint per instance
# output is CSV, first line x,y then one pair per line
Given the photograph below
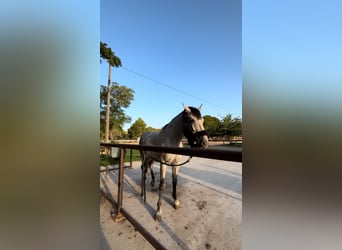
x,y
172,165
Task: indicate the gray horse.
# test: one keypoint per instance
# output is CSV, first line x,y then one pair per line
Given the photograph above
x,y
188,123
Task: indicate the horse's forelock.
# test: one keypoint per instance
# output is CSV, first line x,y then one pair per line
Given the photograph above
x,y
196,112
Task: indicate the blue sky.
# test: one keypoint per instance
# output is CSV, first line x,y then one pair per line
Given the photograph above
x,y
194,47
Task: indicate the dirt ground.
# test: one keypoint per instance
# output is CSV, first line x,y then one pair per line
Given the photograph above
x,y
209,217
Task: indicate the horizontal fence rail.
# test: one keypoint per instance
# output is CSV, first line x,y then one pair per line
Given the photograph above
x,y
218,154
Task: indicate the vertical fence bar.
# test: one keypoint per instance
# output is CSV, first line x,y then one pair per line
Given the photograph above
x,y
118,216
120,186
130,158
107,152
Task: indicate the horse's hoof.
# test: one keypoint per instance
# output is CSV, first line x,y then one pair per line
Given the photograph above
x,y
176,204
158,216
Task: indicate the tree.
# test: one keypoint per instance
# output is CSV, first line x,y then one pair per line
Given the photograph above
x,y
113,61
231,126
120,98
149,128
236,127
224,129
212,125
137,129
117,133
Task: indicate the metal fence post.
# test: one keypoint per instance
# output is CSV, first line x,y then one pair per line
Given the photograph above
x,y
118,216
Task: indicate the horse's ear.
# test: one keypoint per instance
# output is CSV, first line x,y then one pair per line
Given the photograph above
x,y
186,108
200,107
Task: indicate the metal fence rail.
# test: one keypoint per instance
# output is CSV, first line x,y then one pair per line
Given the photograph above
x,y
226,155
218,154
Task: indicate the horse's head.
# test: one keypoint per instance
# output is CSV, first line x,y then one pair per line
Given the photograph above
x,y
193,128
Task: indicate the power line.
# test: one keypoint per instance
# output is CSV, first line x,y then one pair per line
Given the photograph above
x,y
173,88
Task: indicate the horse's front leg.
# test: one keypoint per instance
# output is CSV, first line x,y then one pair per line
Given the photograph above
x,y
161,191
174,184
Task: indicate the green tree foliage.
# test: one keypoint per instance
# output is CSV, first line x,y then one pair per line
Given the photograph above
x,y
212,125
136,129
118,133
236,127
120,98
149,128
109,55
230,126
226,127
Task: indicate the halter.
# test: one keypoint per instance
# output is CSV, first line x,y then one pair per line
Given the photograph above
x,y
194,138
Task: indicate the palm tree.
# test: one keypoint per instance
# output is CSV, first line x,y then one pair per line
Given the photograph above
x,y
113,61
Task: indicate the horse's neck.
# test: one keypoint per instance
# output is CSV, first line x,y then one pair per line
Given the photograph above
x,y
174,130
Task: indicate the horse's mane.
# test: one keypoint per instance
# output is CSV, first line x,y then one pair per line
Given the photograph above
x,y
165,126
194,111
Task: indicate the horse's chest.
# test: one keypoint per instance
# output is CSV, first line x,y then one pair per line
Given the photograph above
x,y
172,158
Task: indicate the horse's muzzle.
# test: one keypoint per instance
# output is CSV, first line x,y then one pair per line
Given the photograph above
x,y
199,139
205,142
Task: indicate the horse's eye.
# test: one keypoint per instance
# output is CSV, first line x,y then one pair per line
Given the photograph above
x,y
192,120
